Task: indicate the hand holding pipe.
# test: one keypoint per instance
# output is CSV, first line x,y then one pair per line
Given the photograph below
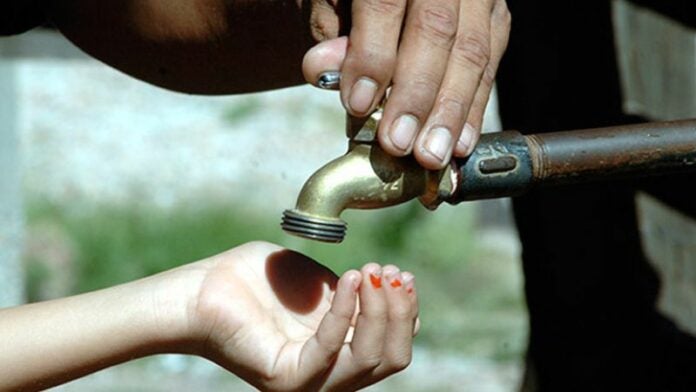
x,y
503,164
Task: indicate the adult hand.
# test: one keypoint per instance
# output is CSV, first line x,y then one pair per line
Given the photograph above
x,y
438,56
283,322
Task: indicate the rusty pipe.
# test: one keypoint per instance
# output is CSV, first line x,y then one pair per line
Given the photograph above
x,y
508,163
503,164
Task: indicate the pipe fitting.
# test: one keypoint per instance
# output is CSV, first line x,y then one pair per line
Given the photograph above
x,y
365,177
502,164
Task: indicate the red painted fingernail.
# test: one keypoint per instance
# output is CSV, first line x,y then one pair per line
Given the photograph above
x,y
376,281
396,283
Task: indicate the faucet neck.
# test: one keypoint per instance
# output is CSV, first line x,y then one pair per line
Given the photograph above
x,y
363,130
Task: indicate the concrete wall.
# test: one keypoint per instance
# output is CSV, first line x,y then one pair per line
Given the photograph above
x,y
11,276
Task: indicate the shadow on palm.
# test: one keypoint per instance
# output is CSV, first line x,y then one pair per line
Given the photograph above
x,y
298,281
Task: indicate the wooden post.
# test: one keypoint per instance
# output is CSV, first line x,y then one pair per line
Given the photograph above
x,y
657,59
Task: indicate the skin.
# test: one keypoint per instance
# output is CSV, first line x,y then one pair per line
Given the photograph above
x,y
439,57
244,309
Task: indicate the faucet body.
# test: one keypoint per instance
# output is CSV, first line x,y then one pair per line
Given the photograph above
x,y
503,164
364,178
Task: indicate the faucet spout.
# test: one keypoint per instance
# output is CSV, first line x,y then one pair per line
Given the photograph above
x,y
364,178
503,164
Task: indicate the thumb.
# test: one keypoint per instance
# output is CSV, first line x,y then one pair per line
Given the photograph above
x,y
324,57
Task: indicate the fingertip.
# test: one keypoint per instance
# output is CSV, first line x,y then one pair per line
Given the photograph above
x,y
409,281
467,141
426,160
392,276
352,279
370,268
360,99
390,269
325,56
398,136
434,147
407,276
372,273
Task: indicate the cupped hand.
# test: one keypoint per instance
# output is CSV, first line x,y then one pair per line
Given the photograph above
x,y
439,57
283,322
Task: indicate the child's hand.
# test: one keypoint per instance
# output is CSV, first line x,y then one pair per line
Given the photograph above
x,y
283,322
274,317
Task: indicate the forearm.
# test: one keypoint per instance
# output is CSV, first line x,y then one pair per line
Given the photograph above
x,y
196,46
48,343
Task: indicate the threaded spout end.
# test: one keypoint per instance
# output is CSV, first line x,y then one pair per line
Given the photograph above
x,y
302,225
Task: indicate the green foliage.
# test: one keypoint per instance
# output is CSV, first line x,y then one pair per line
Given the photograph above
x,y
242,109
466,302
117,244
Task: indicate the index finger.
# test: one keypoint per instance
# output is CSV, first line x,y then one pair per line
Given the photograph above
x,y
371,57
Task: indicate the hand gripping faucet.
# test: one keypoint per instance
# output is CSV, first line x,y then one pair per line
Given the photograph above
x,y
503,164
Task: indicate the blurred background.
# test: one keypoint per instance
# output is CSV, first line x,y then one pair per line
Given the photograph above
x,y
105,179
120,180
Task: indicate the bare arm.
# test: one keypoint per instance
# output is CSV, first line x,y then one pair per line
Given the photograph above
x,y
272,316
49,343
438,56
195,46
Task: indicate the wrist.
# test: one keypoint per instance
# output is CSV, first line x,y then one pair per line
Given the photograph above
x,y
174,323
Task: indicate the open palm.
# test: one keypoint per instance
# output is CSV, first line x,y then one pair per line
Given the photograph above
x,y
281,321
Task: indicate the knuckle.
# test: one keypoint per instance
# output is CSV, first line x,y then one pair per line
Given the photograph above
x,y
400,313
501,19
323,28
367,361
502,14
453,103
401,362
373,61
488,77
418,94
376,315
437,23
384,6
341,315
424,84
473,49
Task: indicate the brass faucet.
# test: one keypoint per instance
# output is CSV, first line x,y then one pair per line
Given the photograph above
x,y
365,177
503,164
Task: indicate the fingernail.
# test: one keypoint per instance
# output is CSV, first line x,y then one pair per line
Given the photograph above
x,y
466,139
409,282
403,132
391,274
329,80
439,143
362,95
376,281
354,281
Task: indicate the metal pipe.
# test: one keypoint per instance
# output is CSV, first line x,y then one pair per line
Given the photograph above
x,y
503,164
508,163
